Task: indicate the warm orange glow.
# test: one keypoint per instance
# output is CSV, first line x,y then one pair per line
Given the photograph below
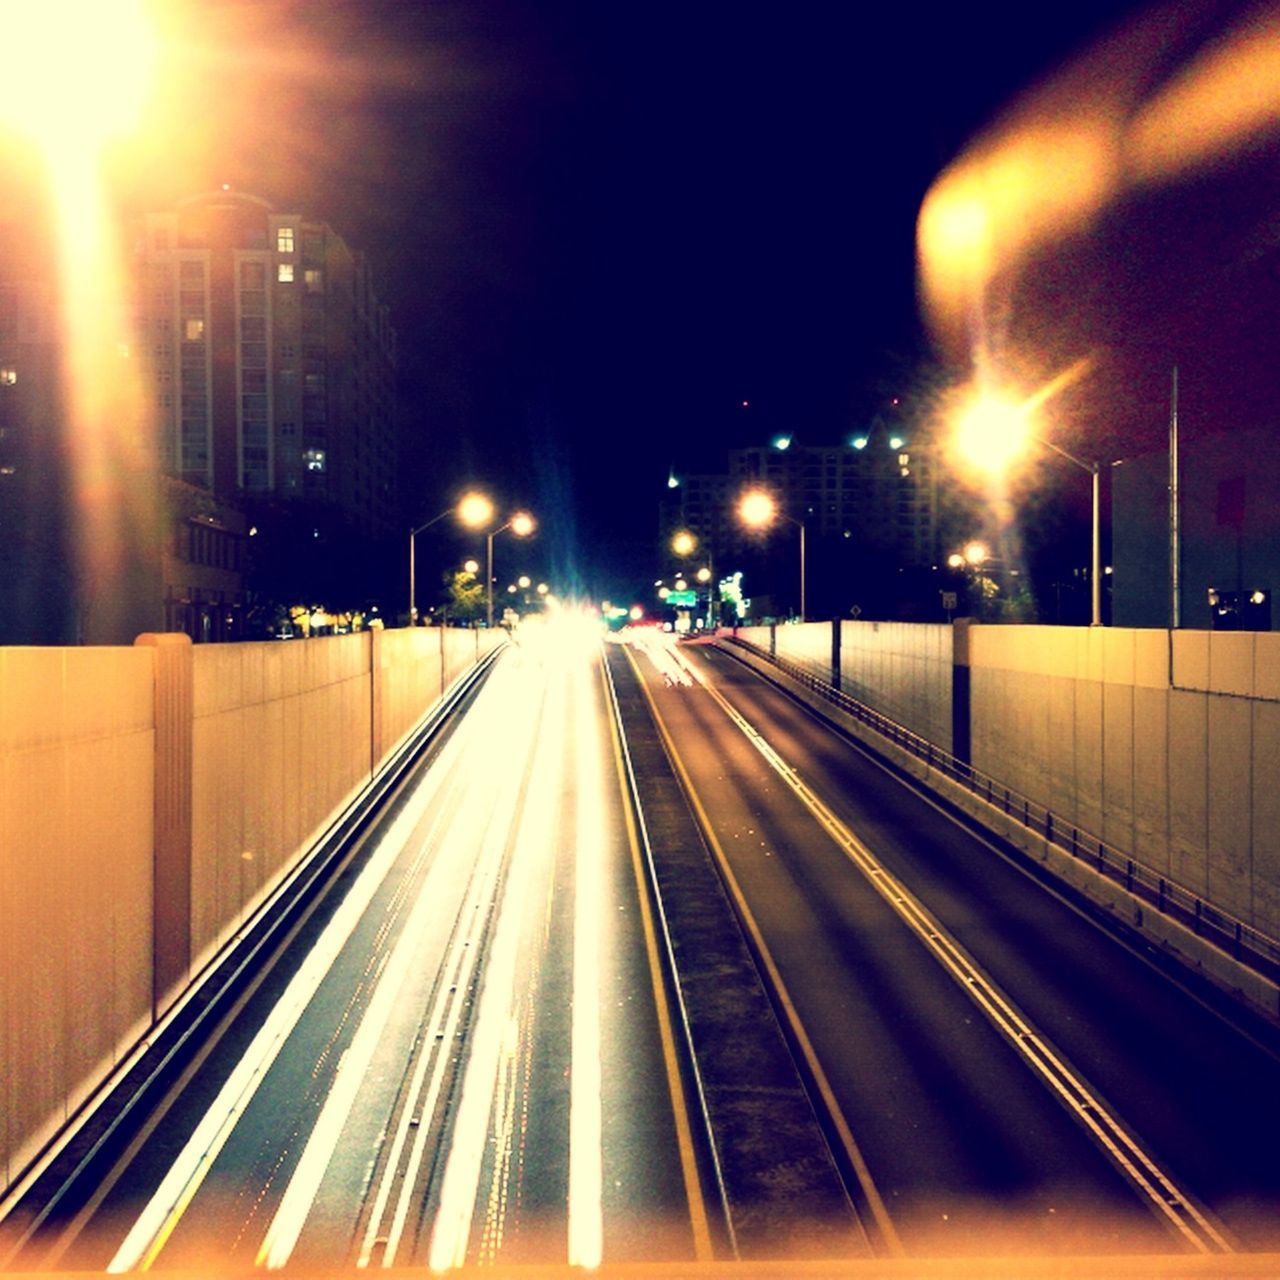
x,y
75,73
976,553
757,509
1072,148
522,524
992,433
475,511
684,543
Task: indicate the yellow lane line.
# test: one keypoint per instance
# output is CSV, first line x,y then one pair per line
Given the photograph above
x,y
684,1134
875,1202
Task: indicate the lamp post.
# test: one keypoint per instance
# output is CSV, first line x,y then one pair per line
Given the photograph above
x,y
521,524
473,511
758,510
684,543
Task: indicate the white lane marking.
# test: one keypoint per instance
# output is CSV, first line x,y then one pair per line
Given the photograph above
x,y
451,1230
180,1184
586,1158
1177,1207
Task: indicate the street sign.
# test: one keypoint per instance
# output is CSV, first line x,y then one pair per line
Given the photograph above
x,y
678,598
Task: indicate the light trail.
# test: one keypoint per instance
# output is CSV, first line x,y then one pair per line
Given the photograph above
x,y
451,1231
152,1229
291,1214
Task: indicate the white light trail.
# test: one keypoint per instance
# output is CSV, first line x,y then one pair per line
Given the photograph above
x,y
178,1187
451,1231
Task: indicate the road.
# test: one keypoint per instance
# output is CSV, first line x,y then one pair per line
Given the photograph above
x,y
1012,1078
470,1051
465,1056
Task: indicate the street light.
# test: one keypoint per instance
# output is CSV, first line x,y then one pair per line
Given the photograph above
x,y
758,510
685,543
521,524
993,431
473,511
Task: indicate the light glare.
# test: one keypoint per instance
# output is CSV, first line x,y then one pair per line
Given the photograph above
x,y
757,509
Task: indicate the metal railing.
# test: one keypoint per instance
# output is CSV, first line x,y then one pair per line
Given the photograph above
x,y
1248,945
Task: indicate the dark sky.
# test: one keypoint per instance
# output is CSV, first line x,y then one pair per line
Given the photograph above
x,y
601,227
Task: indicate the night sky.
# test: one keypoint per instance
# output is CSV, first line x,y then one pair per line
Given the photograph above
x,y
602,227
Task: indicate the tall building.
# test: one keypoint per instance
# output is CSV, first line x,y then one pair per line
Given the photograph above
x,y
274,362
877,490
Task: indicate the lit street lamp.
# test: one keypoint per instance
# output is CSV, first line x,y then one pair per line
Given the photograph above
x,y
684,544
993,432
521,524
473,511
758,510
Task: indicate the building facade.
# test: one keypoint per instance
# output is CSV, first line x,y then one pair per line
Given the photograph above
x,y
274,362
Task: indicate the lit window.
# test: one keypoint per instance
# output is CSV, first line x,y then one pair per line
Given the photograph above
x,y
284,272
284,240
313,459
193,330
904,459
8,377
314,279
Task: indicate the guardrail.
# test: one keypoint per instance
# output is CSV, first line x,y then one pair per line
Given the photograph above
x,y
1246,944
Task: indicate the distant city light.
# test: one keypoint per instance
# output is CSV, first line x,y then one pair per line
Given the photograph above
x,y
636,613
896,442
672,482
524,582
782,443
522,524
859,442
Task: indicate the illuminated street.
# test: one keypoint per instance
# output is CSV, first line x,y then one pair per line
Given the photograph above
x,y
460,1061
1140,1122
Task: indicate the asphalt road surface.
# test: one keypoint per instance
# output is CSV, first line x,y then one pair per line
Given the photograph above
x,y
1012,1078
464,1057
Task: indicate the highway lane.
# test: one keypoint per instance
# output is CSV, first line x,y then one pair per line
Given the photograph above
x,y
970,1149
464,1058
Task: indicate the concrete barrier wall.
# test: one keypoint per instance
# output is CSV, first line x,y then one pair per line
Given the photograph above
x,y
412,669
282,742
107,771
903,671
76,787
1166,746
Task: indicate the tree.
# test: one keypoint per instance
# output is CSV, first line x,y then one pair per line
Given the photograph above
x,y
463,596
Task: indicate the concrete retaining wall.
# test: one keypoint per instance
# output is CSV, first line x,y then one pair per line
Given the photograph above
x,y
900,669
150,800
1166,746
76,785
903,671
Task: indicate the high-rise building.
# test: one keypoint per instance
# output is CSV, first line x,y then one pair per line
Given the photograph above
x,y
274,362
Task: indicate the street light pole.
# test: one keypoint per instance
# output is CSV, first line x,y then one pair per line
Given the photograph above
x,y
1095,548
803,612
522,524
488,584
413,534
